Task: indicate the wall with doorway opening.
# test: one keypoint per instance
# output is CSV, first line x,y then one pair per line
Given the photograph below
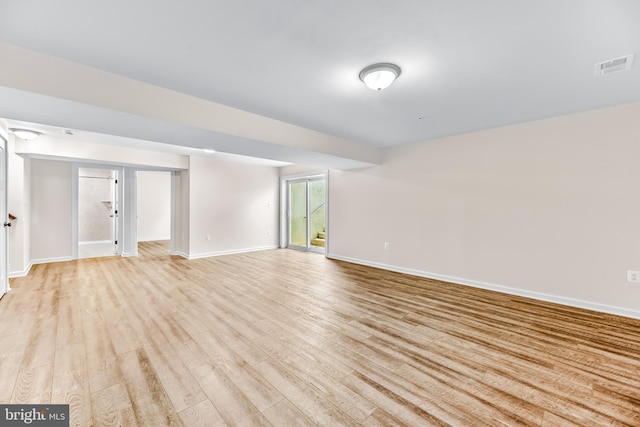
x,y
234,204
42,184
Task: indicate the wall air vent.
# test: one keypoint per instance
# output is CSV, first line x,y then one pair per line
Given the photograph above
x,y
614,65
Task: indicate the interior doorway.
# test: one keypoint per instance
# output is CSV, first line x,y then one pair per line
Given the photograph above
x,y
154,212
121,205
98,212
306,214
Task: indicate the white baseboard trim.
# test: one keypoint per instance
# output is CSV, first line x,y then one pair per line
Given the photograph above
x,y
231,252
619,311
95,243
50,260
180,253
23,273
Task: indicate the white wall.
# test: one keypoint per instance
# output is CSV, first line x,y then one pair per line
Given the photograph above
x,y
82,149
235,204
294,170
154,206
547,207
181,209
50,210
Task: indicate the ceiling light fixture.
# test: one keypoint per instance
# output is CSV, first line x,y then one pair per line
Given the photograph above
x,y
379,76
209,150
26,134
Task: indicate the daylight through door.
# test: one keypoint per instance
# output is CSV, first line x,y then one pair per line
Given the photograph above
x,y
306,214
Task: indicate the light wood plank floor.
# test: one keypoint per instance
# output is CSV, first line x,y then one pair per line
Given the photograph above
x,y
288,338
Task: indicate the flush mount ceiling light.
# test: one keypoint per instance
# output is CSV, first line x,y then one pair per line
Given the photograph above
x,y
26,134
379,76
209,151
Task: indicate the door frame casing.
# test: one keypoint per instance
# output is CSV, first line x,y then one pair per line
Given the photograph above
x,y
4,213
284,205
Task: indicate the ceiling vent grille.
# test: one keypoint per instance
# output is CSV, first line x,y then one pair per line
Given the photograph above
x,y
614,65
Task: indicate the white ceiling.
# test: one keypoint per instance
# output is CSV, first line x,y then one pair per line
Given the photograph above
x,y
466,65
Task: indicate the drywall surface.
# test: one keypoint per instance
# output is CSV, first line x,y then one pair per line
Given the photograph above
x,y
546,207
233,207
84,150
294,170
180,185
50,210
154,206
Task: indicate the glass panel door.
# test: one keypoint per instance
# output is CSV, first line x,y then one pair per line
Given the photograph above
x,y
317,233
306,214
298,215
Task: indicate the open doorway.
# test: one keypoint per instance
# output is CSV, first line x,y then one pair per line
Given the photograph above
x,y
154,212
97,212
157,201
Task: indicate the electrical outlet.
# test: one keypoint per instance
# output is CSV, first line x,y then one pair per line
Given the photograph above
x,y
386,245
633,276
207,237
269,233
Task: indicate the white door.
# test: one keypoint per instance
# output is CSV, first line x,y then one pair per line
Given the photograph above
x,y
306,214
4,282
